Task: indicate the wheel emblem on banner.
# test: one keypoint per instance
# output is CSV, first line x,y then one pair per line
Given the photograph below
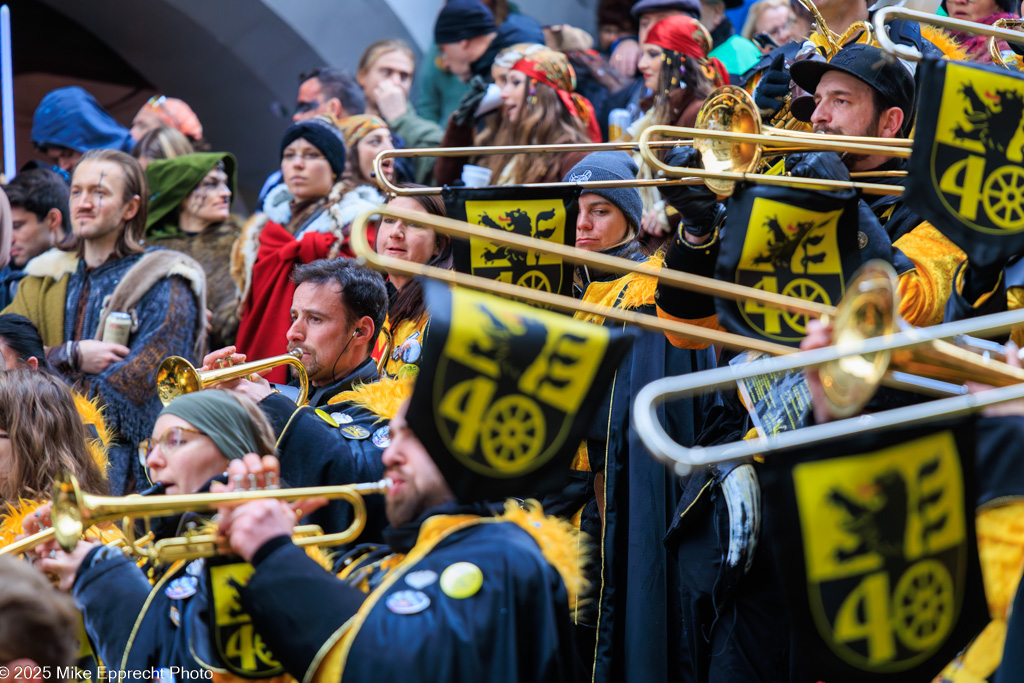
x,y
512,433
923,605
808,290
1003,195
535,279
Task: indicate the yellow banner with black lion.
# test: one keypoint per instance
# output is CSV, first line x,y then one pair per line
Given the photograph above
x,y
966,172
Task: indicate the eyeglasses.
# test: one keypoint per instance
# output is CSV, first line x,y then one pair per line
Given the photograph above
x,y
169,442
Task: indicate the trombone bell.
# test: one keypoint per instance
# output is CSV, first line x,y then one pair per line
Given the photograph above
x,y
177,376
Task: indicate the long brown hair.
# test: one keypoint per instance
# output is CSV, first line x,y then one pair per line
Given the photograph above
x,y
130,240
545,121
409,304
46,435
693,80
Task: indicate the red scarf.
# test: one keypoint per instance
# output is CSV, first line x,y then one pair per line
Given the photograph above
x,y
553,70
688,37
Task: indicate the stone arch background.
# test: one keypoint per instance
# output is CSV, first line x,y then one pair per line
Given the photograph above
x,y
234,61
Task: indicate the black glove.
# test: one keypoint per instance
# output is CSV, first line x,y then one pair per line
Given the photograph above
x,y
825,165
698,205
773,88
463,114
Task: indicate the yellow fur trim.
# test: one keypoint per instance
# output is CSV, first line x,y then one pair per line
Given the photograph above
x,y
383,397
945,42
12,522
626,293
557,539
91,413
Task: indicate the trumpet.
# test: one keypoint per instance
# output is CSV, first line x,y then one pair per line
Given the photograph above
x,y
730,138
73,510
865,347
177,376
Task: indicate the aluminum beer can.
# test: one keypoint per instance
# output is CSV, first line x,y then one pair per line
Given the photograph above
x,y
618,124
117,329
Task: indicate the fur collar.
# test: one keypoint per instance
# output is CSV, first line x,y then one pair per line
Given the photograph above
x,y
52,263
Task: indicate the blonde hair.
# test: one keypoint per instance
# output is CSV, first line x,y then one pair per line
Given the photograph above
x,y
755,12
47,436
382,47
162,143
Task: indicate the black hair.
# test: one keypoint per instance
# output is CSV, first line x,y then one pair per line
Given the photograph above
x,y
362,290
18,334
39,191
340,84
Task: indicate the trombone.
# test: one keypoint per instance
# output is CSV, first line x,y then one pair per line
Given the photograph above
x,y
856,359
730,138
993,47
704,285
177,376
73,510
911,54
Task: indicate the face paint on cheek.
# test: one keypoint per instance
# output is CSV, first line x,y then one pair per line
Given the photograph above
x,y
99,204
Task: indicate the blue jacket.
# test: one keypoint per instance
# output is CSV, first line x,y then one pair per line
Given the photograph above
x,y
71,117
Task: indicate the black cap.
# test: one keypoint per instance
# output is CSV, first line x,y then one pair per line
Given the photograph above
x,y
689,7
461,20
868,63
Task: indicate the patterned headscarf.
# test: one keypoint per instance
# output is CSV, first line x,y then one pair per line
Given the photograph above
x,y
686,37
508,57
355,128
176,114
554,70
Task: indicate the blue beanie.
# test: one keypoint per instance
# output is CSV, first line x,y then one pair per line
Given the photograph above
x,y
611,166
321,135
461,20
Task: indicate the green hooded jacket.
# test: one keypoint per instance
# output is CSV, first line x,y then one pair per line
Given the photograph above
x,y
171,180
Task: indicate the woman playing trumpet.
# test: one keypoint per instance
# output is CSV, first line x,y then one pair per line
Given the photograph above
x,y
133,624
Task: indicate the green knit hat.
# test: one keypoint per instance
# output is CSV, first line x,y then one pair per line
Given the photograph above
x,y
170,181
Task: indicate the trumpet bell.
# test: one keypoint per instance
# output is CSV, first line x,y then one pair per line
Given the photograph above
x,y
868,310
175,377
66,514
729,109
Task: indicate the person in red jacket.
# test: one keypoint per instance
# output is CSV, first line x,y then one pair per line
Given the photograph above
x,y
300,223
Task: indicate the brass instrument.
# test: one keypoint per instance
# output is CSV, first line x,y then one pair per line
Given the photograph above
x,y
675,278
866,344
993,48
177,376
73,510
729,136
911,54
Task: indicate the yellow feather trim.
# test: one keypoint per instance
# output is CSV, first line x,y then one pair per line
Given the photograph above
x,y
641,289
383,397
945,42
12,522
91,413
558,541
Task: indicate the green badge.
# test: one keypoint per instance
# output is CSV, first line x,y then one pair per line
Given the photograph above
x,y
461,580
355,432
326,418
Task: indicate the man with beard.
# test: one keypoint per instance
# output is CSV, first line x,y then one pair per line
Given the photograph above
x,y
859,93
337,312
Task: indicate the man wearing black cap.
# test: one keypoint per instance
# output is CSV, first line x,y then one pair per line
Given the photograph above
x,y
469,39
502,399
860,93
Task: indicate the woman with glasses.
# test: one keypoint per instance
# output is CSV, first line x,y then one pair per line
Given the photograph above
x,y
133,624
301,222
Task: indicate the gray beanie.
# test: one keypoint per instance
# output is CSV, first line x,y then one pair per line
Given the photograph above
x,y
611,166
